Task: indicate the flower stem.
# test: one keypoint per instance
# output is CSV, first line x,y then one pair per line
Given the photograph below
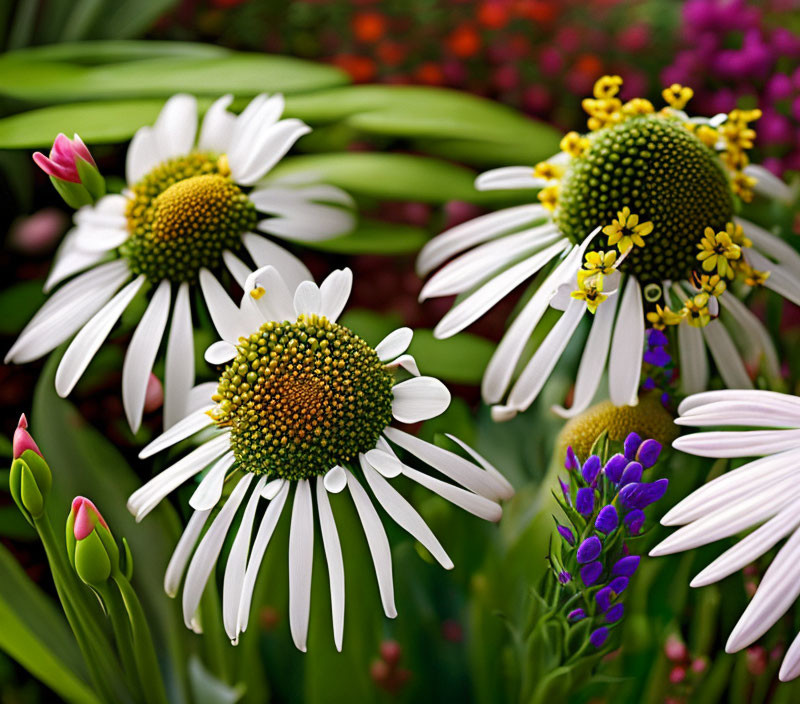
x,y
117,612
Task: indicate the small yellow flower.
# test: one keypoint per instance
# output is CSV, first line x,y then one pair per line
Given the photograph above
x,y
743,185
738,135
736,233
549,197
707,135
548,171
717,251
744,116
638,106
627,231
696,312
574,144
600,262
590,289
752,277
602,112
677,96
712,284
661,317
607,87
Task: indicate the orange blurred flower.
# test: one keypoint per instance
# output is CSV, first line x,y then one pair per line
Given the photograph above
x,y
369,26
464,41
360,68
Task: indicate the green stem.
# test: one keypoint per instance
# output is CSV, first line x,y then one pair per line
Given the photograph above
x,y
144,651
118,615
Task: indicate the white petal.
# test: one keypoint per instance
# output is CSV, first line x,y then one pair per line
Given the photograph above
x,y
334,292
776,592
333,556
86,343
69,259
693,403
749,443
544,360
205,557
142,155
209,490
217,128
67,310
377,541
755,334
742,411
265,253
407,362
485,227
277,303
508,490
781,279
404,515
593,360
239,270
301,560
418,399
100,240
790,667
771,245
179,364
476,304
768,184
726,357
147,497
307,299
220,352
228,319
692,359
183,429
385,462
176,126
308,222
265,531
270,147
141,354
183,551
335,479
236,566
508,177
394,344
627,348
448,463
255,123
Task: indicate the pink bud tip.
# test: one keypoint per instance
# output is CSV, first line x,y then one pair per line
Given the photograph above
x,y
23,440
62,162
85,511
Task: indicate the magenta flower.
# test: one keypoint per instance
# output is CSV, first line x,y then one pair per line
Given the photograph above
x,y
63,160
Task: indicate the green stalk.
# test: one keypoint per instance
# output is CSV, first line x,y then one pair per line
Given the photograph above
x,y
143,649
122,633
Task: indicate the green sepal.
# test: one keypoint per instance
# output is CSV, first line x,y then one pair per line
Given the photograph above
x,y
126,560
92,563
29,481
32,498
91,178
75,195
600,446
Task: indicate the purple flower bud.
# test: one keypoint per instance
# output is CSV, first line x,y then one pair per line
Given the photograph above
x,y
589,549
614,467
566,533
626,566
565,490
607,519
571,461
634,521
603,598
648,453
649,384
631,444
591,468
591,573
584,501
657,356
618,585
564,577
576,615
632,473
656,338
598,637
615,613
640,495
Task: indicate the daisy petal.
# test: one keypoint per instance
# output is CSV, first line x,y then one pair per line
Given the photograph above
x,y
334,292
508,177
418,399
217,128
394,344
179,363
301,554
265,253
508,490
220,352
726,357
209,490
176,126
307,299
183,551
335,479
183,429
627,347
333,556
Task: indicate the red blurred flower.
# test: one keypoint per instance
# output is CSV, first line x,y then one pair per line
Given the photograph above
x,y
360,68
369,26
464,41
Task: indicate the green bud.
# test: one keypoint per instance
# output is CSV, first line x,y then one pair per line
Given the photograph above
x,y
90,177
75,195
91,548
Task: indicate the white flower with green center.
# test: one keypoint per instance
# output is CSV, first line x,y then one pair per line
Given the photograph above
x,y
304,406
192,206
648,184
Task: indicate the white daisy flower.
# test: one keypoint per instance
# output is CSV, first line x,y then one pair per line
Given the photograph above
x,y
636,225
193,205
304,406
762,494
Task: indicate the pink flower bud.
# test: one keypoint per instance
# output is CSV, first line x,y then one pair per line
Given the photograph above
x,y
62,162
86,517
154,395
22,439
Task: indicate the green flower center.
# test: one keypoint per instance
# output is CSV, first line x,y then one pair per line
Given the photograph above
x,y
665,175
302,397
183,215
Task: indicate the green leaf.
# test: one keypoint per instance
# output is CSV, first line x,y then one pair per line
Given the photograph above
x,y
460,359
36,634
207,689
113,51
19,303
375,237
369,324
238,73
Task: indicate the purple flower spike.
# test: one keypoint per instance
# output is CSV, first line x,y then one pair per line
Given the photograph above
x,y
648,453
657,356
642,494
591,573
618,585
564,577
603,598
634,521
631,445
589,549
632,473
598,637
626,566
566,533
584,501
571,461
607,520
614,467
656,338
615,613
591,468
576,615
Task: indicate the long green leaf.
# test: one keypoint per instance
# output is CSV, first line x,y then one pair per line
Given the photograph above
x,y
35,634
375,237
113,51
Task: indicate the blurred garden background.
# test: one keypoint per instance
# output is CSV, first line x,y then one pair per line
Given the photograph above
x,y
409,100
